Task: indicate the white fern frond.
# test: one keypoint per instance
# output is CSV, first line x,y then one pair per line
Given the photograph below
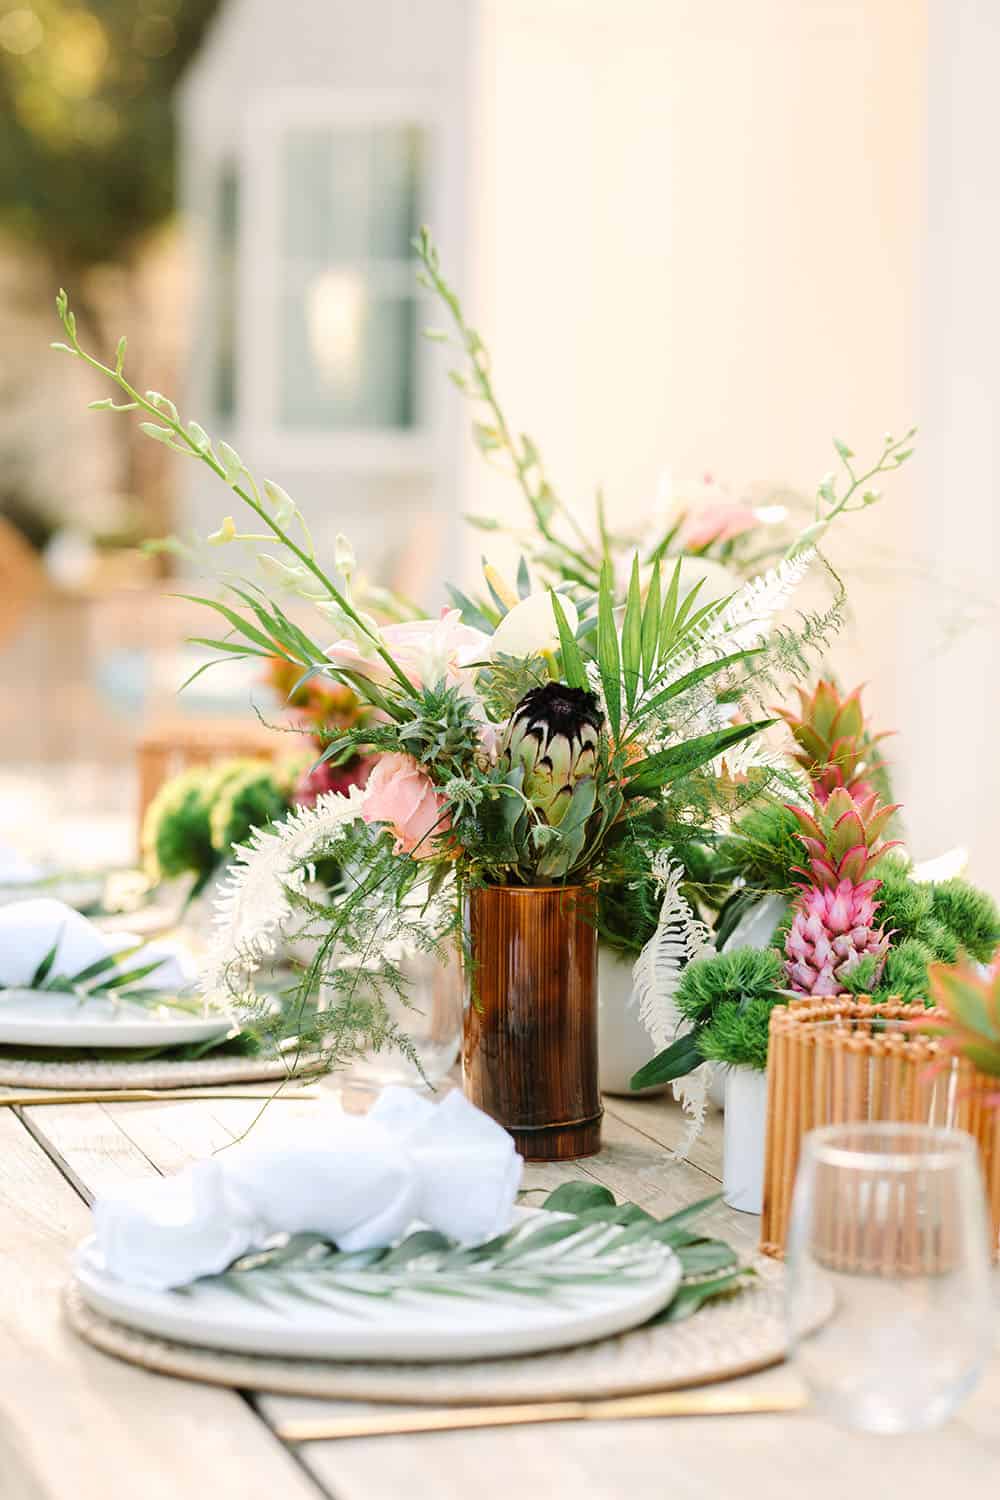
x,y
691,1093
679,937
253,903
746,619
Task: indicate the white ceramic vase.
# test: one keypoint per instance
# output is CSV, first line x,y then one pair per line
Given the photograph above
x,y
624,1044
743,1139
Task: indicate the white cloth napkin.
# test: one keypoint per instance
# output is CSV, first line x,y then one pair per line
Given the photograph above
x,y
445,1165
15,869
28,930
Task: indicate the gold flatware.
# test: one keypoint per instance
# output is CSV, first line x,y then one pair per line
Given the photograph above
x,y
151,1096
703,1403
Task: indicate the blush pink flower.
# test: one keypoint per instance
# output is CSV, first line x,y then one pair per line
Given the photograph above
x,y
428,651
402,795
719,522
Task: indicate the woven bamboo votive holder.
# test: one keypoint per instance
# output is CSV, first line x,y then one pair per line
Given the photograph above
x,y
847,1060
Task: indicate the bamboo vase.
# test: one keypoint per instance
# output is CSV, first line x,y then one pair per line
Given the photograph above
x,y
530,1039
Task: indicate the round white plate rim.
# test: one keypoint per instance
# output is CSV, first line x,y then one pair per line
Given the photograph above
x,y
164,1315
132,1027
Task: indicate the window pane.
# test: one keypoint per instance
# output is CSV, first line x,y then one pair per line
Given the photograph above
x,y
348,359
327,179
348,331
397,168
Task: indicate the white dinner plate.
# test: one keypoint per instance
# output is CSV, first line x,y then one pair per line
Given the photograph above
x,y
409,1326
46,1018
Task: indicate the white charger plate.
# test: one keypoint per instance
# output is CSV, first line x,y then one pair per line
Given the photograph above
x,y
46,1018
407,1327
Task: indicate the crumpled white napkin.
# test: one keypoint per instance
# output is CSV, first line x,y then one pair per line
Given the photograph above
x,y
28,930
15,869
446,1165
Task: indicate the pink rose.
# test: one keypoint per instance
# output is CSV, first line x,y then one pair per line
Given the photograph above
x,y
401,794
428,651
719,522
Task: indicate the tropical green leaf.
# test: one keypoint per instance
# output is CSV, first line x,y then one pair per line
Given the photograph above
x,y
696,675
675,1061
669,611
471,613
651,624
523,579
241,625
659,770
574,670
44,968
632,637
608,657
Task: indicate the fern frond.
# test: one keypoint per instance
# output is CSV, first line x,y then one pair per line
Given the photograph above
x,y
254,902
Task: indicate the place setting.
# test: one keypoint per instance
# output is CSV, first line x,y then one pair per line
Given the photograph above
x,y
84,1009
419,1278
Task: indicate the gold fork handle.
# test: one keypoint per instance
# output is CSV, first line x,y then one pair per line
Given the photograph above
x,y
452,1419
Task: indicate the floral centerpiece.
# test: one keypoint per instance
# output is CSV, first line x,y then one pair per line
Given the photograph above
x,y
582,733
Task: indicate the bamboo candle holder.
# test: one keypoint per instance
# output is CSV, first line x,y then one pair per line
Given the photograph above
x,y
848,1060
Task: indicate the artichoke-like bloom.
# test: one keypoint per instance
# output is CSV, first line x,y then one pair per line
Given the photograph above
x,y
554,737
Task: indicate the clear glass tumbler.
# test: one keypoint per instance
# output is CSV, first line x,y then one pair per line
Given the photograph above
x,y
431,1020
890,1302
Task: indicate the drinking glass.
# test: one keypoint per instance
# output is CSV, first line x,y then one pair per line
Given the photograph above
x,y
430,1018
890,1306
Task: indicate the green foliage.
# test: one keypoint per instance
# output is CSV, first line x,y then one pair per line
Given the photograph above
x,y
197,816
588,1240
763,848
904,904
507,681
736,978
970,914
728,999
251,799
177,832
628,902
905,972
738,1034
438,729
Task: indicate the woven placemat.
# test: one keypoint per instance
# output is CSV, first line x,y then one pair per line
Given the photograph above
x,y
156,1073
731,1336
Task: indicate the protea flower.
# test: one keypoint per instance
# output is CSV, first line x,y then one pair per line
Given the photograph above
x,y
834,925
836,748
554,735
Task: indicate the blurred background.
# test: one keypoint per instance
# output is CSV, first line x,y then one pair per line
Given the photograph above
x,y
699,237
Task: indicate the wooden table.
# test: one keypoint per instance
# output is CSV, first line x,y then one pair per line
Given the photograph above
x,y
75,1423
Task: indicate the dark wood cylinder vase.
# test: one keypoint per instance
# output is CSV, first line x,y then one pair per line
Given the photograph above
x,y
530,1045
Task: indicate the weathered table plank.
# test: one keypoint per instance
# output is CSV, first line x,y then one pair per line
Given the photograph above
x,y
73,1421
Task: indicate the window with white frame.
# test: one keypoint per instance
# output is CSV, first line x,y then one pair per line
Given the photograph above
x,y
347,335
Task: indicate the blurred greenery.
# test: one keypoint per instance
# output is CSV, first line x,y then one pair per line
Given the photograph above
x,y
87,165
